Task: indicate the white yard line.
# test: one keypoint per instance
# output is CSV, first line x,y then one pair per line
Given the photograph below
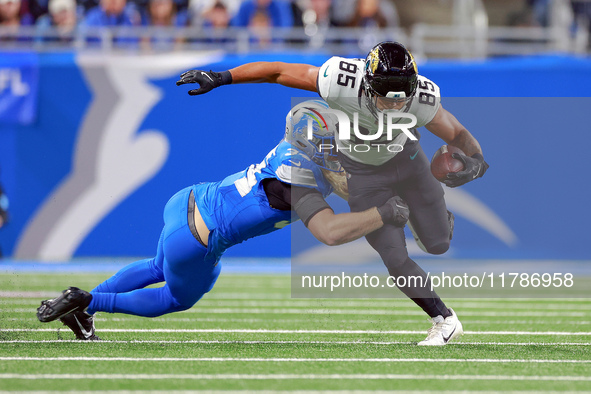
x,y
102,318
330,311
268,331
289,360
238,391
303,342
291,377
374,303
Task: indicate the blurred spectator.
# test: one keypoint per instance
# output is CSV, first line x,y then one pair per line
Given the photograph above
x,y
543,13
342,11
278,12
216,17
368,14
14,13
86,4
215,21
522,18
113,13
161,14
208,13
164,13
582,12
315,14
62,15
345,11
540,10
38,8
260,24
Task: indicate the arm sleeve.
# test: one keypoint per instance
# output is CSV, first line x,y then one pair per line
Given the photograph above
x,y
307,203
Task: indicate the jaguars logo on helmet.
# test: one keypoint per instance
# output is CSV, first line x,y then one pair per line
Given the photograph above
x,y
390,72
373,59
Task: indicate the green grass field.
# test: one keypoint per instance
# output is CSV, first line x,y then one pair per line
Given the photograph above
x,y
248,334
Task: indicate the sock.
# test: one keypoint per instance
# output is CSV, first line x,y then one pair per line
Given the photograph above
x,y
423,296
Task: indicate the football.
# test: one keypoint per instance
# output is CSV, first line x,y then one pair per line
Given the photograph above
x,y
443,163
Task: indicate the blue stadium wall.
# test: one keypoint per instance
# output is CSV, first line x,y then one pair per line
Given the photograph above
x,y
92,147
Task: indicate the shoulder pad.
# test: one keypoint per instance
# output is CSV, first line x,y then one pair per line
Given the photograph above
x,y
426,101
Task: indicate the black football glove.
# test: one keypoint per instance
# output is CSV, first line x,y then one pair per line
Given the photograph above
x,y
474,167
207,80
395,211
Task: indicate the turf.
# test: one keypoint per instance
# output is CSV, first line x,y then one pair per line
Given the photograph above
x,y
248,334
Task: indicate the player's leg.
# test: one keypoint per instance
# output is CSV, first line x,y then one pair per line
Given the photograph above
x,y
411,279
69,307
370,190
189,271
430,219
433,225
136,275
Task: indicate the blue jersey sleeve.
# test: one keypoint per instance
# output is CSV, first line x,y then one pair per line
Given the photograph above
x,y
292,166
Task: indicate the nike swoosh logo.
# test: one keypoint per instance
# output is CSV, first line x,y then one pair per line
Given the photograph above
x,y
296,163
415,155
84,332
452,333
325,71
207,75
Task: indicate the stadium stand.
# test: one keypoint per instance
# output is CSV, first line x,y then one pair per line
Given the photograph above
x,y
431,28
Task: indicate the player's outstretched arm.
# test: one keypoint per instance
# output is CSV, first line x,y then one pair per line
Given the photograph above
x,y
299,76
336,229
448,128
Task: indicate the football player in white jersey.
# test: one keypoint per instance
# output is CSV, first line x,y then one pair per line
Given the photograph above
x,y
386,83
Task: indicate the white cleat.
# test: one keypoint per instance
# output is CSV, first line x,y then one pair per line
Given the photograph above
x,y
443,330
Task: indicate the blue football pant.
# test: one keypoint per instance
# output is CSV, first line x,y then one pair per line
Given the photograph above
x,y
181,262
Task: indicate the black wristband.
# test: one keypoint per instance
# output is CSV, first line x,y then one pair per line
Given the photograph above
x,y
484,165
386,212
225,78
478,156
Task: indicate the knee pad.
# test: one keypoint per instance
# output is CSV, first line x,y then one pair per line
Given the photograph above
x,y
439,248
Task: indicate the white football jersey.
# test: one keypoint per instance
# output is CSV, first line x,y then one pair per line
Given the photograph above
x,y
340,85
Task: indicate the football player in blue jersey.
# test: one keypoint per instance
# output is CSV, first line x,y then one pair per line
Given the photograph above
x,y
203,220
385,82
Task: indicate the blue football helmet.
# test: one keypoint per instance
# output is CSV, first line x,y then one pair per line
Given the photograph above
x,y
310,129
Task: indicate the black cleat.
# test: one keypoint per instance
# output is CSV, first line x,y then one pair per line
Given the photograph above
x,y
72,299
82,324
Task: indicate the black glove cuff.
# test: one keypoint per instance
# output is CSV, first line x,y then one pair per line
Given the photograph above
x,y
225,78
483,167
478,156
386,212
